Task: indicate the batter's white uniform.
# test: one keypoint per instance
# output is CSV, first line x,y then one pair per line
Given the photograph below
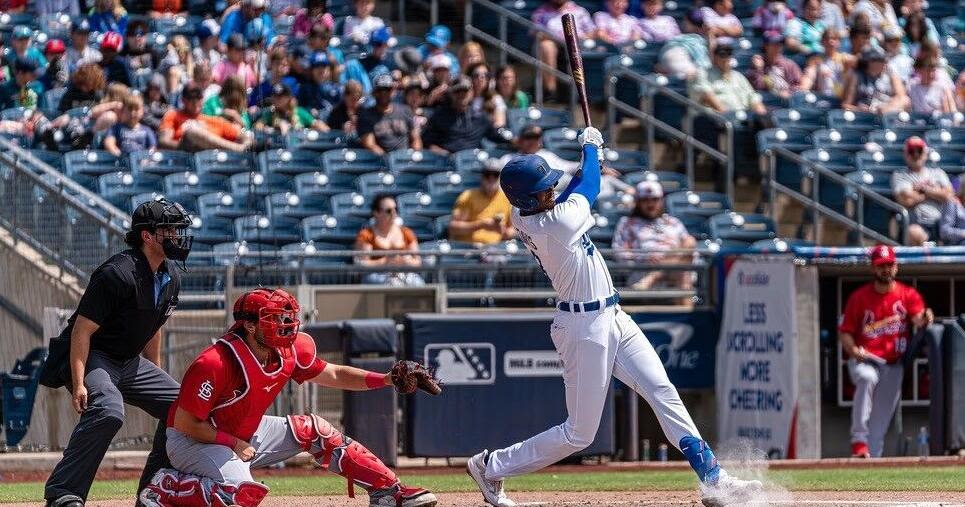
x,y
594,346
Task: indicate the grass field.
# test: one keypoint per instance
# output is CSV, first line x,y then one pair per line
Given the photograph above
x,y
846,479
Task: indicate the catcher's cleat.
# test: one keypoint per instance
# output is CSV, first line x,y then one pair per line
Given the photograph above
x,y
723,489
860,450
402,496
66,501
492,491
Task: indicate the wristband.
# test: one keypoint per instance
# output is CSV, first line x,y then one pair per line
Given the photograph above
x,y
225,439
374,380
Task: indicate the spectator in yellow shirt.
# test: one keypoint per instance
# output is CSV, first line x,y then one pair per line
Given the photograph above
x,y
481,215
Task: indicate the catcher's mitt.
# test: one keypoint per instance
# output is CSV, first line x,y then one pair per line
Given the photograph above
x,y
407,376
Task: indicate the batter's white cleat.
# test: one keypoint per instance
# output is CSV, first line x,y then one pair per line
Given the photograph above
x,y
729,490
492,490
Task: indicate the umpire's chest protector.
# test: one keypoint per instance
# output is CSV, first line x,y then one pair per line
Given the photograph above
x,y
242,413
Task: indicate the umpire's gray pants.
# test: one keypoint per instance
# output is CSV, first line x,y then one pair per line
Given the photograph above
x,y
110,384
877,389
273,442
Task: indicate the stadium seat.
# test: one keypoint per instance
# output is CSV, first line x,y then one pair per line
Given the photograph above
x,y
670,181
795,140
423,204
381,182
840,139
748,228
696,226
213,231
316,141
289,162
665,109
857,120
906,119
563,143
640,61
625,161
442,226
874,215
160,162
808,118
472,160
808,99
243,253
84,166
329,229
116,187
255,183
261,229
351,204
184,186
830,193
884,160
446,187
290,205
952,162
343,166
175,25
138,199
416,162
698,204
52,158
895,137
222,205
220,163
516,119
317,188
948,138
313,255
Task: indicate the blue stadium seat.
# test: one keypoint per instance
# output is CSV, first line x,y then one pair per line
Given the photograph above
x,y
417,162
175,25
352,204
116,187
329,229
858,120
906,119
884,160
670,181
546,118
442,226
808,118
955,59
472,160
84,166
423,204
840,139
665,109
830,193
699,204
696,226
779,245
289,162
317,188
563,143
221,205
875,216
197,259
344,165
138,199
221,163
312,254
381,182
243,253
317,141
947,138
952,162
160,162
256,183
808,99
290,205
18,391
741,227
626,161
896,137
54,159
261,229
184,186
213,231
446,187
640,61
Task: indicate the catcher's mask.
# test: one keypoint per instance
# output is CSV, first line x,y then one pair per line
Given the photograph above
x,y
274,311
164,214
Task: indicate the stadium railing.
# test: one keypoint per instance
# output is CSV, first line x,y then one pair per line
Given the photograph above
x,y
814,173
652,88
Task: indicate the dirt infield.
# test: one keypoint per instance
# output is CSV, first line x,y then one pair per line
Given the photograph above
x,y
624,499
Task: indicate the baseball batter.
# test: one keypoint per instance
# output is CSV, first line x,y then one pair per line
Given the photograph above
x,y
595,339
217,431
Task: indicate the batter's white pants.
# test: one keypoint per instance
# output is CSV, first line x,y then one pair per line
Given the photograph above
x,y
594,347
877,389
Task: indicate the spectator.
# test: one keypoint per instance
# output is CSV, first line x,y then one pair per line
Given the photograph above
x,y
178,66
344,115
115,66
614,26
57,74
816,76
47,9
470,54
414,96
880,14
722,89
279,68
386,126
873,87
13,6
385,233
86,88
376,60
321,93
918,28
166,9
899,62
80,50
826,70
231,103
952,226
439,72
186,129
207,49
773,73
683,56
454,126
482,215
874,332
927,93
720,22
108,16
833,18
860,37
22,91
655,27
485,98
923,190
285,115
772,18
960,94
234,63
21,47
359,28
313,14
804,33
408,65
550,17
78,129
237,21
155,102
205,79
138,54
649,228
437,42
128,134
507,87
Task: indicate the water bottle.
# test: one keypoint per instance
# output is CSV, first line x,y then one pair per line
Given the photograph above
x,y
662,452
923,442
646,449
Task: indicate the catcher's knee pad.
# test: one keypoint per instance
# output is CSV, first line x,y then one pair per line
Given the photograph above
x,y
171,488
341,454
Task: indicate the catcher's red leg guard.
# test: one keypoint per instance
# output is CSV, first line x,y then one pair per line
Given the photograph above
x,y
342,455
171,488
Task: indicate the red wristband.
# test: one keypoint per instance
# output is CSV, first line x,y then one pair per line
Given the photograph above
x,y
225,439
374,380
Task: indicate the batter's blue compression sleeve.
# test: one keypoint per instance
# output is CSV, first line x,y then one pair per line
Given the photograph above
x,y
587,181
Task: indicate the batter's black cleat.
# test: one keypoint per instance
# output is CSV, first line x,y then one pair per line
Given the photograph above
x,y
66,501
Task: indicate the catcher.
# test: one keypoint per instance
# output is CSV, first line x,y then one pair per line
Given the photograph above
x,y
217,431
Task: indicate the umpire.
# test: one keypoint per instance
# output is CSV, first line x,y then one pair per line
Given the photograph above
x,y
110,352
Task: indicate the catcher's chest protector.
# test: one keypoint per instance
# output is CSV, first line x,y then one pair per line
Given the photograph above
x,y
241,414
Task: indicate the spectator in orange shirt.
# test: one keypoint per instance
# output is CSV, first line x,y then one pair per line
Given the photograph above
x,y
186,129
386,233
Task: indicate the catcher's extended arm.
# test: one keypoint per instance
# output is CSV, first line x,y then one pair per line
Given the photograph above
x,y
407,376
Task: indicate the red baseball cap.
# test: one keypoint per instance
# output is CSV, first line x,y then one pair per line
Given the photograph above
x,y
915,143
112,41
882,254
55,46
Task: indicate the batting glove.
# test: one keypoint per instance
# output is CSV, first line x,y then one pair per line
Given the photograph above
x,y
591,135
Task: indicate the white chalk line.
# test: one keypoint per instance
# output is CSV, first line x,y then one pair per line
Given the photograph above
x,y
781,503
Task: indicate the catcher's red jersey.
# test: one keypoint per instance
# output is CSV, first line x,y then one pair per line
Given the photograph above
x,y
880,322
227,386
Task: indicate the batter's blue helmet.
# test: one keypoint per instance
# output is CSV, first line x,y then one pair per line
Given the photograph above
x,y
524,177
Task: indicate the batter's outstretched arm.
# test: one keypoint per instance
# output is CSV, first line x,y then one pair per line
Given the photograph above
x,y
587,180
339,376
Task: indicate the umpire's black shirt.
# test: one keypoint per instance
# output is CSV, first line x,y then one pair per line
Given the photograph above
x,y
128,301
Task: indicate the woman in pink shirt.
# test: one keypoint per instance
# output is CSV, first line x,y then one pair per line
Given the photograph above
x,y
235,64
615,26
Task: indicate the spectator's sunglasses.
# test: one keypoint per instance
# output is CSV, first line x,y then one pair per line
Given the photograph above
x,y
490,174
915,152
477,75
390,211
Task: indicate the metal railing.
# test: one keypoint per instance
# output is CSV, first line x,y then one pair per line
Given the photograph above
x,y
652,89
815,172
505,49
72,227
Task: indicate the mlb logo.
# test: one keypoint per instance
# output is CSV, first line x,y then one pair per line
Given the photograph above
x,y
457,364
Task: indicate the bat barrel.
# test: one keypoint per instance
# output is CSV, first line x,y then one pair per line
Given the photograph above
x,y
576,63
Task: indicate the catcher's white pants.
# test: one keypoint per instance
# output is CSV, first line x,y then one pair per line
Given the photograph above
x,y
877,389
594,347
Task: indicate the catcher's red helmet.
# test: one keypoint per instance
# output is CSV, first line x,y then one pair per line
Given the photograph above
x,y
274,311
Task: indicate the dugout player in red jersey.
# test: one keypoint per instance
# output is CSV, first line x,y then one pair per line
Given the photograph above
x,y
875,332
217,431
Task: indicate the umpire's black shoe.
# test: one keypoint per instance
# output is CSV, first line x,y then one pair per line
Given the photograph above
x,y
66,501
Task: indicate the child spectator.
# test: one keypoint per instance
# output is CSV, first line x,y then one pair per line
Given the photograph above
x,y
155,102
57,74
235,64
108,16
321,93
128,135
80,50
207,49
313,14
804,33
285,115
359,28
231,103
720,21
22,91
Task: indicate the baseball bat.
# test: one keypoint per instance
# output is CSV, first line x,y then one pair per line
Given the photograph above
x,y
576,63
